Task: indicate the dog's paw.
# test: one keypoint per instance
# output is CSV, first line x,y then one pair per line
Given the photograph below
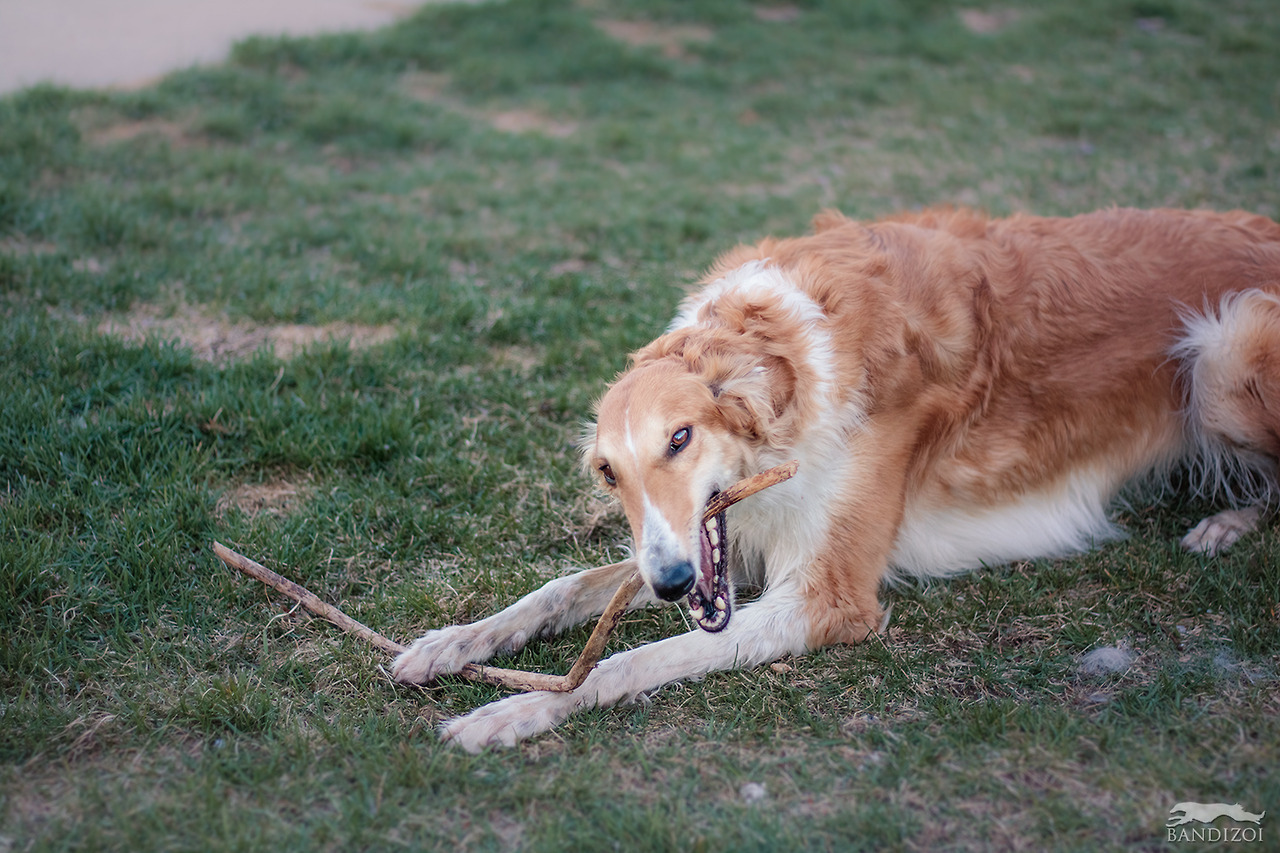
x,y
1219,532
441,652
507,721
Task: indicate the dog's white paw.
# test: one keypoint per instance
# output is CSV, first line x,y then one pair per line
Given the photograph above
x,y
1219,532
507,721
440,652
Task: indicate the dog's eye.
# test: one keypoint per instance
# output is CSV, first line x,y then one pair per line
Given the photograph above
x,y
679,439
607,473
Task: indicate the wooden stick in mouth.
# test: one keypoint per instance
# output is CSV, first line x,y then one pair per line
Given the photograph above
x,y
514,679
747,487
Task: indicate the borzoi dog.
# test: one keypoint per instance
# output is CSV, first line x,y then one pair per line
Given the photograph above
x,y
959,391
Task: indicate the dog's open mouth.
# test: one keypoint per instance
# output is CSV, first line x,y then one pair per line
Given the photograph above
x,y
710,602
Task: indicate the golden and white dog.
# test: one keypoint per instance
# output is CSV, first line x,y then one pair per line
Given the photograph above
x,y
958,390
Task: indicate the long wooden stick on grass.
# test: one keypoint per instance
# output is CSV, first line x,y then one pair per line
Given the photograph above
x,y
305,597
513,678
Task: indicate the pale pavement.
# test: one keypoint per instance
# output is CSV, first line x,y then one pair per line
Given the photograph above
x,y
131,43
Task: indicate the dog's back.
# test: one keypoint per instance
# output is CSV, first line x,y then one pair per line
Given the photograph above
x,y
1049,362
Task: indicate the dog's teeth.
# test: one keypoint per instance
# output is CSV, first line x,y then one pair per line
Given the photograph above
x,y
714,536
697,613
712,523
721,603
715,555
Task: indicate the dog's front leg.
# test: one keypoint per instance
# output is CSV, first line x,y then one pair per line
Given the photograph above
x,y
764,631
557,605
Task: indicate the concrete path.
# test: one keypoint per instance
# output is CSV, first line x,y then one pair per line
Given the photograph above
x,y
131,43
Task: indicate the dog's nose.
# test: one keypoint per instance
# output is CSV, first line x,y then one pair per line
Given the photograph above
x,y
674,581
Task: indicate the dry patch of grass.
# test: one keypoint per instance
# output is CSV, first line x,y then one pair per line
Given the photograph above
x,y
20,246
433,89
988,22
782,14
672,39
273,497
101,128
174,132
531,121
426,86
216,339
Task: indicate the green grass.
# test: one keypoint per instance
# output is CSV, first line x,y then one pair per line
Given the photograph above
x,y
513,200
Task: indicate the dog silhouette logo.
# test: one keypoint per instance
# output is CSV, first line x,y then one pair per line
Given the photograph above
x,y
1209,812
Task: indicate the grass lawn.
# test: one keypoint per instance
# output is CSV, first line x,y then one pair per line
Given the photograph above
x,y
343,302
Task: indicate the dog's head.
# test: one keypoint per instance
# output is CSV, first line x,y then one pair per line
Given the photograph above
x,y
666,440
742,374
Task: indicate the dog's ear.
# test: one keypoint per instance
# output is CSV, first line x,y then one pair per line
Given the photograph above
x,y
587,445
827,219
754,403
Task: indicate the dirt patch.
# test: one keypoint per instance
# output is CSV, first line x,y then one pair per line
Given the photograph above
x,y
425,86
784,14
986,22
433,89
175,133
215,339
275,497
672,39
530,121
19,246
